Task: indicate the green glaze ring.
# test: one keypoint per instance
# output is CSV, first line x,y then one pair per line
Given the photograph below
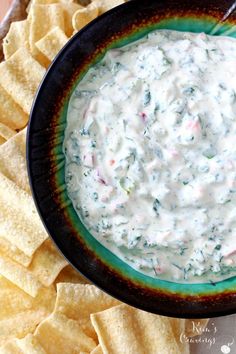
x,y
101,266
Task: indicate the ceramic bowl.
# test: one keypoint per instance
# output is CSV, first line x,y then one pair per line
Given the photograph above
x,y
46,162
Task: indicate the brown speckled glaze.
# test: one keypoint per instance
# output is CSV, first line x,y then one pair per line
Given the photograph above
x,y
45,136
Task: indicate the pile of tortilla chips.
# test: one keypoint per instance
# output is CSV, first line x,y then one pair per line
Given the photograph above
x,y
46,307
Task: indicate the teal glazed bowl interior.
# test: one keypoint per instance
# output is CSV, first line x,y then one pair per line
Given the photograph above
x,y
46,161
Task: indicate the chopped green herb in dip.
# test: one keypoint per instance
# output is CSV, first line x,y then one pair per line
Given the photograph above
x,y
150,150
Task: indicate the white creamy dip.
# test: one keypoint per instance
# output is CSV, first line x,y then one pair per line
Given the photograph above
x,y
150,150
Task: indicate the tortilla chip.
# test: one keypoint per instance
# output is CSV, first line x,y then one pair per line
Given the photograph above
x,y
19,312
69,10
123,327
97,350
11,114
78,301
19,276
195,327
105,5
26,345
52,43
17,37
59,334
178,327
43,18
14,300
30,345
85,15
10,348
19,220
2,140
13,160
6,132
20,76
48,2
47,263
12,252
70,275
20,325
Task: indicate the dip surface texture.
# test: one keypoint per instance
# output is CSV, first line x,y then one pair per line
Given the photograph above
x,y
150,149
